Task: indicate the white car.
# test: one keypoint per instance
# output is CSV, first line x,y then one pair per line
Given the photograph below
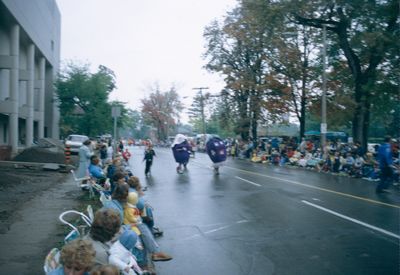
x,y
74,142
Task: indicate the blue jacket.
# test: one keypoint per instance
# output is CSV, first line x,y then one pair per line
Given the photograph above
x,y
96,171
385,155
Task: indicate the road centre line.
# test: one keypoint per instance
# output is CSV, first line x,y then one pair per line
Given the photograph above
x,y
315,187
256,184
353,220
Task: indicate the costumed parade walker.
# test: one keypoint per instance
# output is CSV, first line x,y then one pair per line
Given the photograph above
x,y
181,150
216,150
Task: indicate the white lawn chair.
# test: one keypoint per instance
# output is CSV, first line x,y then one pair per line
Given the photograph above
x,y
52,260
77,231
90,184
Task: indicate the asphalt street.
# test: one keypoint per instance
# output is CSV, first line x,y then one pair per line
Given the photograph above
x,y
262,219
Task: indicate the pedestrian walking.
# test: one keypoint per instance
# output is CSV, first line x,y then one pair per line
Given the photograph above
x,y
386,166
149,155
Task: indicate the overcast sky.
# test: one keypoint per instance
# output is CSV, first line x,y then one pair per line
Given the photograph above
x,y
142,42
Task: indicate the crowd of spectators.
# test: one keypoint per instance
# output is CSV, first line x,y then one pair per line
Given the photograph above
x,y
335,157
122,236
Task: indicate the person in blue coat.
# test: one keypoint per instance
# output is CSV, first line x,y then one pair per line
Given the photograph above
x,y
84,159
181,150
96,171
216,150
385,159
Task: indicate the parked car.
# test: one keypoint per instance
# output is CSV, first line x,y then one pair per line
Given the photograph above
x,y
75,141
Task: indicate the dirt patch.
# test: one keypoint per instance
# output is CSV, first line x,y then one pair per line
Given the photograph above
x,y
31,199
18,186
41,155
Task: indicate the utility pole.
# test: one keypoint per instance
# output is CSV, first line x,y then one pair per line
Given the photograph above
x,y
115,113
323,103
203,121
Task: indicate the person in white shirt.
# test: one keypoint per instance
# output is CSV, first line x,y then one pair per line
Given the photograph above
x,y
121,255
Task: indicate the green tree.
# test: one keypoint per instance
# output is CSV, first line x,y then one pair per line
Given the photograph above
x,y
83,100
366,32
235,49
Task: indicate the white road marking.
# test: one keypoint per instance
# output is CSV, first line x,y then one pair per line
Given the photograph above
x,y
353,220
215,230
256,184
224,227
314,187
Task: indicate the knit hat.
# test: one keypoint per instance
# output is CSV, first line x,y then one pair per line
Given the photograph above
x,y
128,239
132,198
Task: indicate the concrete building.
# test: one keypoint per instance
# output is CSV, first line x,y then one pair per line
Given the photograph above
x,y
29,62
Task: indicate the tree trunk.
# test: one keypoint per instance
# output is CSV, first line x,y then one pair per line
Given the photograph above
x,y
254,125
303,99
302,118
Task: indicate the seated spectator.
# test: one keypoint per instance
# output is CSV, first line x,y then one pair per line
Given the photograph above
x,y
336,163
132,217
135,186
327,164
302,161
118,198
275,157
96,171
357,166
77,257
121,255
348,165
145,209
343,162
295,158
105,226
113,168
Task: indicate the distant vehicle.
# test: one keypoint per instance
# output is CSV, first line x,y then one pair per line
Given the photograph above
x,y
75,141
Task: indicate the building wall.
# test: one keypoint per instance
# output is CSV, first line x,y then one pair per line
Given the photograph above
x,y
29,63
41,20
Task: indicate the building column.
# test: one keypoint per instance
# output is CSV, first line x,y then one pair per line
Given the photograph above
x,y
14,89
42,67
30,91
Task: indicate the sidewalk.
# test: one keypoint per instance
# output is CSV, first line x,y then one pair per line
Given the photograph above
x,y
33,228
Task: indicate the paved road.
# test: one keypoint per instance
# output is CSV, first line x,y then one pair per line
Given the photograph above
x,y
261,219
